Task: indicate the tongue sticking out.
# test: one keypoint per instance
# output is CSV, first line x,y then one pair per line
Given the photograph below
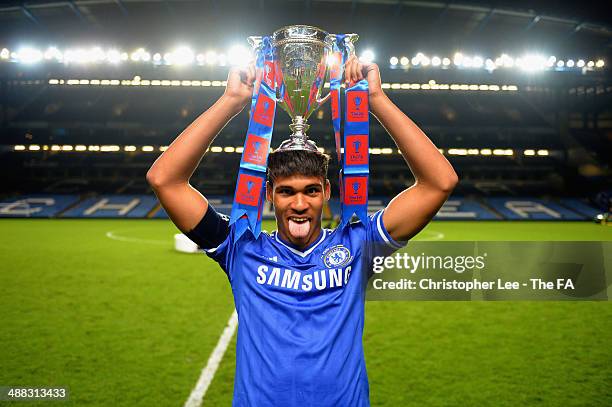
x,y
299,230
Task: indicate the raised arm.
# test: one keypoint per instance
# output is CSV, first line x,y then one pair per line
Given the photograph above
x,y
169,175
414,207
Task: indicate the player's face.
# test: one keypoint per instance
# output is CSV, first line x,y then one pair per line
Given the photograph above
x,y
298,203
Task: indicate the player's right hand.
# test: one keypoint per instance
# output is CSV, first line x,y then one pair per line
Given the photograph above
x,y
240,82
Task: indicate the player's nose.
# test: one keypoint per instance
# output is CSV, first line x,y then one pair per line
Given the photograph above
x,y
299,204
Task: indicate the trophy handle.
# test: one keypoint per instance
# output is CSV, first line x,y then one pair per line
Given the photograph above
x,y
349,44
255,41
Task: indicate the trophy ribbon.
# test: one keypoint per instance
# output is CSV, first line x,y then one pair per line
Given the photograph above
x,y
354,172
249,196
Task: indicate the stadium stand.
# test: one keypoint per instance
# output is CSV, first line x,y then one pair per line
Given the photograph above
x,y
547,141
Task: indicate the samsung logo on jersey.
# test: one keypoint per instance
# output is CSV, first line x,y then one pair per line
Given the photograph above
x,y
319,280
336,256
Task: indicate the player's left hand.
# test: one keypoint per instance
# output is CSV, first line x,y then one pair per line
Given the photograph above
x,y
355,70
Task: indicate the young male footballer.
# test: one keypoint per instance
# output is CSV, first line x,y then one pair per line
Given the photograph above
x,y
299,291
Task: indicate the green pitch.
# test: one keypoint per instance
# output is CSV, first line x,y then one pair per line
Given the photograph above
x,y
108,309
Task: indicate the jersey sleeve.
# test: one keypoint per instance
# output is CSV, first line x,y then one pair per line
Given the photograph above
x,y
381,242
376,242
211,231
214,235
223,253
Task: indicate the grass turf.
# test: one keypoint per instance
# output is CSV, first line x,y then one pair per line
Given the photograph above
x,y
108,309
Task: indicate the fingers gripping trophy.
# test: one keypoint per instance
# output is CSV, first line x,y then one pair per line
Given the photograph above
x,y
292,66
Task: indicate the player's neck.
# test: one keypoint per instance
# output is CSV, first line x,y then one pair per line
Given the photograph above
x,y
299,244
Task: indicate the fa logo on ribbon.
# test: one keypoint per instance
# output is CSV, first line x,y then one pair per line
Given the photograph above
x,y
249,189
357,106
264,110
354,154
355,190
255,150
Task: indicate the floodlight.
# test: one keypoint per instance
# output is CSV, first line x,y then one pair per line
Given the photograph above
x,y
182,56
239,55
53,53
28,55
137,55
458,58
507,61
533,62
367,56
113,56
211,57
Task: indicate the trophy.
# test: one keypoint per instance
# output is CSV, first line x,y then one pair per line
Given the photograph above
x,y
292,67
301,63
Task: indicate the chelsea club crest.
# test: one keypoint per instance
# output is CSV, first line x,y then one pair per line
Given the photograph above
x,y
336,256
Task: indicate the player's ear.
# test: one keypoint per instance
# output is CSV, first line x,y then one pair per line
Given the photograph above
x,y
269,189
327,190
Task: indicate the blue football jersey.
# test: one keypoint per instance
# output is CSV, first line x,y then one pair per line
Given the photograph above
x,y
301,314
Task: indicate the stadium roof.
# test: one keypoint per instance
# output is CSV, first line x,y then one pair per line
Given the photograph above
x,y
389,26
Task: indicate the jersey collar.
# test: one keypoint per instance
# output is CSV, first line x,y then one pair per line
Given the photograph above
x,y
308,250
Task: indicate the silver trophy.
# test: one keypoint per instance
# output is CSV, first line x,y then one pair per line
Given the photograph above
x,y
301,54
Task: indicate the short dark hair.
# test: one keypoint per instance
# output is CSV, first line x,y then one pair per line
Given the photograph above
x,y
297,162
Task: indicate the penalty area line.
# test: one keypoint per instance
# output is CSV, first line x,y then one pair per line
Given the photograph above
x,y
198,392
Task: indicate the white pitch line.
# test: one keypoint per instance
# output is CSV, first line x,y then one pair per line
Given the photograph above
x,y
112,234
433,236
198,392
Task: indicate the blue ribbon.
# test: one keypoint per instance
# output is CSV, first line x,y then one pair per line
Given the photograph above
x,y
354,173
249,195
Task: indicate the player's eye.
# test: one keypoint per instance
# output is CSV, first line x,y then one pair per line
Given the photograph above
x,y
312,191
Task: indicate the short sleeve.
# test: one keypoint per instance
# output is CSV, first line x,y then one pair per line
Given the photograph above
x,y
376,242
223,253
212,229
381,241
